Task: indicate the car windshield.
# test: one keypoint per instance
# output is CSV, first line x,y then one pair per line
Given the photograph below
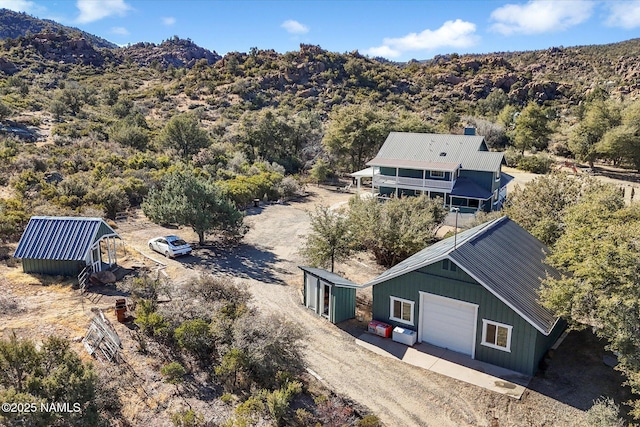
x,y
178,242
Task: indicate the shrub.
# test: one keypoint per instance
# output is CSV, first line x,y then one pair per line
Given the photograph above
x,y
151,323
369,421
271,344
130,135
539,163
289,187
188,418
604,413
512,157
194,336
174,373
232,370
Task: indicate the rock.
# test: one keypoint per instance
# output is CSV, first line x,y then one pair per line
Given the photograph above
x,y
104,277
175,52
53,177
8,67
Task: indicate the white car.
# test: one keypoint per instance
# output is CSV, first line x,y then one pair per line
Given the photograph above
x,y
170,246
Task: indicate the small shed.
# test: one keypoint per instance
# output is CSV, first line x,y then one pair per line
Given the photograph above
x,y
329,295
66,245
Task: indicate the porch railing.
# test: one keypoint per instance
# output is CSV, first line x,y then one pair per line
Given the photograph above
x,y
413,183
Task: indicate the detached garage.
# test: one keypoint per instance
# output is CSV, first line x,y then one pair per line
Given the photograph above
x,y
329,295
476,294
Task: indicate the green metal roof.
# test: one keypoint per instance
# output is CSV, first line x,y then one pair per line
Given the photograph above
x,y
501,256
430,149
330,277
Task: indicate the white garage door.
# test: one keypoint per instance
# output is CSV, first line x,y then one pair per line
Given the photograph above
x,y
448,323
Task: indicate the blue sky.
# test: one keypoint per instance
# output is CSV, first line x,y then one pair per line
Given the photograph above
x,y
398,30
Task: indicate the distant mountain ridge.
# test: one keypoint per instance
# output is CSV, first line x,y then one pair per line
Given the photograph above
x,y
16,24
564,76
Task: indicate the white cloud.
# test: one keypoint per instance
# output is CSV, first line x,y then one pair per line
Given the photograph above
x,y
94,10
624,14
21,6
455,34
168,20
294,27
121,31
384,51
540,16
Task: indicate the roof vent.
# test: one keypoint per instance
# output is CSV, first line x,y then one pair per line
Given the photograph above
x,y
443,154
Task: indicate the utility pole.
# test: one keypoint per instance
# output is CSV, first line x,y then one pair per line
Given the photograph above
x,y
455,233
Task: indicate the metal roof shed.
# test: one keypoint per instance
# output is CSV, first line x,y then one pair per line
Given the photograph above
x,y
66,245
329,295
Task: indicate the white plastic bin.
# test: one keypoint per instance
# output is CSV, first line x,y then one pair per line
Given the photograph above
x,y
404,336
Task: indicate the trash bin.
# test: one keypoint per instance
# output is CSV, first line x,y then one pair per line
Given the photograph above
x,y
256,203
121,310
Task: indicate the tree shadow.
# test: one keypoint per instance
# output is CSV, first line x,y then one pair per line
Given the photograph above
x,y
577,375
628,175
243,260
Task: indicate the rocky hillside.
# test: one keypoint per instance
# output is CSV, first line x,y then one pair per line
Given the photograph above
x,y
176,52
15,24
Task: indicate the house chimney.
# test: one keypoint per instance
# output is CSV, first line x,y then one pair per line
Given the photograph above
x,y
470,131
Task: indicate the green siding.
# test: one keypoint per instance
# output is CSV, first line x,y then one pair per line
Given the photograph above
x,y
447,176
524,355
343,301
544,343
386,190
102,231
387,171
52,267
410,173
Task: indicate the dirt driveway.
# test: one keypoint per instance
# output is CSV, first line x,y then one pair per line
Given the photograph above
x,y
400,394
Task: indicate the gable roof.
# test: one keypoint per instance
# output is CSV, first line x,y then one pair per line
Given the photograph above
x,y
60,238
426,149
330,277
501,256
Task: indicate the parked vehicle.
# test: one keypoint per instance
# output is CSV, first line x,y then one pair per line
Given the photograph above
x,y
170,246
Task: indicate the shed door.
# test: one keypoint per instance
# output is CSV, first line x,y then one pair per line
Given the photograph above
x,y
311,285
326,299
448,323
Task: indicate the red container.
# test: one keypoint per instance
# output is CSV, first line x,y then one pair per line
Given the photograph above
x,y
380,328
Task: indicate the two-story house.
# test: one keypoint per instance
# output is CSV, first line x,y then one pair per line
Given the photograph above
x,y
458,168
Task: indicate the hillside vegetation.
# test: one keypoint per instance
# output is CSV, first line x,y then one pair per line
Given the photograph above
x,y
99,114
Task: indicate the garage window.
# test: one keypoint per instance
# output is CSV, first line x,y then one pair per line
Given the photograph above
x,y
401,310
496,335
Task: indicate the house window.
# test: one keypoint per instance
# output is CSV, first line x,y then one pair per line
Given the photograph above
x,y
449,265
401,310
496,335
436,174
474,203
